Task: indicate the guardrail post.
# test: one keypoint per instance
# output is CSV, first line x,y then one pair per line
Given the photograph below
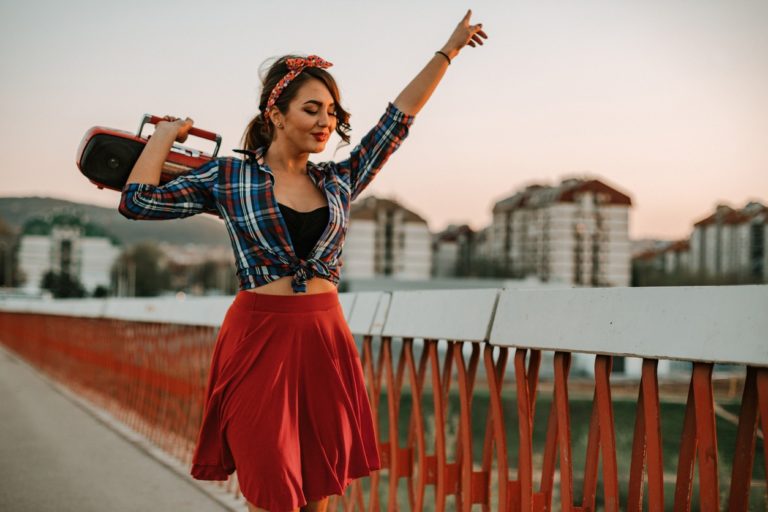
x,y
602,439
527,381
373,375
646,445
495,433
698,440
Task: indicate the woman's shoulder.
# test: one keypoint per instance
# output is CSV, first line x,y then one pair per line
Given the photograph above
x,y
228,163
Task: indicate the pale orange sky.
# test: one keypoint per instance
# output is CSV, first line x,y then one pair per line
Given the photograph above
x,y
664,100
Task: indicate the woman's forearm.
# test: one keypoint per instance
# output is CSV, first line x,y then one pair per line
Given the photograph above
x,y
418,91
150,163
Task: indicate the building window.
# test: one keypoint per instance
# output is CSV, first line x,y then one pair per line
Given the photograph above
x,y
757,250
578,249
65,257
389,229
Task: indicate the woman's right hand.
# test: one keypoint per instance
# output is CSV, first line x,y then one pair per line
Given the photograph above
x,y
180,126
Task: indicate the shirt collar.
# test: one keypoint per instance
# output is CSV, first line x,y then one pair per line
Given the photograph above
x,y
317,171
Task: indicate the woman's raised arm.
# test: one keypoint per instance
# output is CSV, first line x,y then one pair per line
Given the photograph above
x,y
418,91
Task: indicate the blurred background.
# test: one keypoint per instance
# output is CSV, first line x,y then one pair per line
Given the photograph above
x,y
659,105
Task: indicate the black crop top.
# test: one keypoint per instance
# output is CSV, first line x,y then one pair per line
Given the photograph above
x,y
305,228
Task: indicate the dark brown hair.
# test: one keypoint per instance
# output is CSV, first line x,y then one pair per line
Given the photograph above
x,y
260,131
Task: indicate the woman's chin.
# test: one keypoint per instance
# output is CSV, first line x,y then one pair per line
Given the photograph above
x,y
318,148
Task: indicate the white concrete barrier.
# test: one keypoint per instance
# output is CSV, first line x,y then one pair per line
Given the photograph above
x,y
727,324
443,314
363,316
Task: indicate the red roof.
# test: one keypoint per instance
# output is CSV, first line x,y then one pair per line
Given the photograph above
x,y
724,214
596,187
567,192
679,246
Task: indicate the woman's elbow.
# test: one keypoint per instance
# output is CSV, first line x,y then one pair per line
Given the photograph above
x,y
128,208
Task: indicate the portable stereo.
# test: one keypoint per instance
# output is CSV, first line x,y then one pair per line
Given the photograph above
x,y
106,155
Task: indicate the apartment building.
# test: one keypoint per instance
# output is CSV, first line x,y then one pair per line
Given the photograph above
x,y
731,243
65,244
386,239
574,233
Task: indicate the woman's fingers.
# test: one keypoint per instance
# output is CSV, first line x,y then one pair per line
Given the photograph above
x,y
466,34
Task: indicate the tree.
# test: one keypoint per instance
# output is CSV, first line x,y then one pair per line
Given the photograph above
x,y
62,285
100,291
142,270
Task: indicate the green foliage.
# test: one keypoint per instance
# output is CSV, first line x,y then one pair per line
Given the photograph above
x,y
643,275
486,267
62,285
143,267
100,291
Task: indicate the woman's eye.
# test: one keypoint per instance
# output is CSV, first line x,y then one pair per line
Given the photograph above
x,y
311,111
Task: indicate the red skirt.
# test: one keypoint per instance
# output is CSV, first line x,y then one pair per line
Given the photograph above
x,y
286,404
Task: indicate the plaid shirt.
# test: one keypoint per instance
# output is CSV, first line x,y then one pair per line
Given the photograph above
x,y
240,191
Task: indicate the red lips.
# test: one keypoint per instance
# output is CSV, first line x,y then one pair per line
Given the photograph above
x,y
320,137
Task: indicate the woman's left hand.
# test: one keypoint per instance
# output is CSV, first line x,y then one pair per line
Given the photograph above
x,y
465,34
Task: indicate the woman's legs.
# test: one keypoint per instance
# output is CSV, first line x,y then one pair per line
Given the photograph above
x,y
316,506
312,506
251,508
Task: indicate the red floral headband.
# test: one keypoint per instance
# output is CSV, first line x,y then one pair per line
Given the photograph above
x,y
296,66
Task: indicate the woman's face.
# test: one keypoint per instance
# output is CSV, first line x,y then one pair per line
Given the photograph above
x,y
310,119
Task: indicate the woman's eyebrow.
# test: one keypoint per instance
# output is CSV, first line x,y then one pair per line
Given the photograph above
x,y
319,103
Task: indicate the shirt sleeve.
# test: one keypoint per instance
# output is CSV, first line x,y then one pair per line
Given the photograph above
x,y
185,195
374,149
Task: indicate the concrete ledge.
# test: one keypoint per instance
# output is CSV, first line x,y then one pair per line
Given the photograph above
x,y
443,314
724,324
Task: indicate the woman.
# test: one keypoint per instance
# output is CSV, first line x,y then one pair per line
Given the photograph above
x,y
286,403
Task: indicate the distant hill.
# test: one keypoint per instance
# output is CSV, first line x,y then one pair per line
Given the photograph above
x,y
199,229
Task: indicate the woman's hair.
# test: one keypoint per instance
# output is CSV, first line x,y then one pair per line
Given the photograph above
x,y
260,131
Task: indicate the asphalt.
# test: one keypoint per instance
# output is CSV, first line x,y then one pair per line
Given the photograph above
x,y
57,455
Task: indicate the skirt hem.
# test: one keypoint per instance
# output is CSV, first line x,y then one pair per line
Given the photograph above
x,y
335,491
208,472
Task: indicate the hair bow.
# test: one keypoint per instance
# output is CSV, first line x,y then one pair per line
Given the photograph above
x,y
296,65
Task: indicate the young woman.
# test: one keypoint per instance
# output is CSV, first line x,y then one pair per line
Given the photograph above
x,y
286,404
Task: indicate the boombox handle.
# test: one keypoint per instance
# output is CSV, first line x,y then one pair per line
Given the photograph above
x,y
197,132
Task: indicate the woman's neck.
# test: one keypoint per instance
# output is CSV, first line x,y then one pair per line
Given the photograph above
x,y
282,158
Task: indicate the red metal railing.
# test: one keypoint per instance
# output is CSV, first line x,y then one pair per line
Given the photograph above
x,y
506,452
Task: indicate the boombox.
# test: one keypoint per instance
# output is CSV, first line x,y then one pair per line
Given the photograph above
x,y
106,156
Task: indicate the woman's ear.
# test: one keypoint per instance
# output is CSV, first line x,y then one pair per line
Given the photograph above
x,y
276,117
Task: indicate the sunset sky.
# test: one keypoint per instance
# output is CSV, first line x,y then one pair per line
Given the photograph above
x,y
666,101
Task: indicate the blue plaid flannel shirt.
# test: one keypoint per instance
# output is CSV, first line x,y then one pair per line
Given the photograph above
x,y
240,192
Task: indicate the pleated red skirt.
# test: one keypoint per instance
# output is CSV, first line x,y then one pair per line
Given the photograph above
x,y
286,404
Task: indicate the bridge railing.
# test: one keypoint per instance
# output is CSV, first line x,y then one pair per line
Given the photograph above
x,y
456,427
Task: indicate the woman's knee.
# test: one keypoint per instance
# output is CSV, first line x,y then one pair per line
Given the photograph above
x,y
252,508
316,506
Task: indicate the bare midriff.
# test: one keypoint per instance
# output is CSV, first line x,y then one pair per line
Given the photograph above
x,y
282,286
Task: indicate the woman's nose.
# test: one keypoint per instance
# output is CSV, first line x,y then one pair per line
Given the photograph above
x,y
324,119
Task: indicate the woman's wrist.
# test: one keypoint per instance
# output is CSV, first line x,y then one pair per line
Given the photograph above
x,y
451,53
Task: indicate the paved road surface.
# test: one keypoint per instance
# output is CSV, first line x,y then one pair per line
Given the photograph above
x,y
54,456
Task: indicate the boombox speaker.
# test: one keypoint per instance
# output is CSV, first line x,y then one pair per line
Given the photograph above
x,y
106,156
